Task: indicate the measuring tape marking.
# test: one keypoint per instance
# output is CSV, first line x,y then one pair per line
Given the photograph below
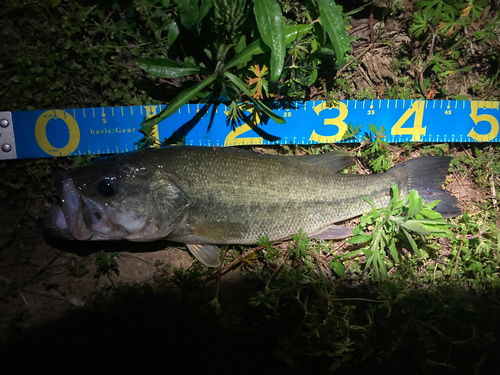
x,y
73,132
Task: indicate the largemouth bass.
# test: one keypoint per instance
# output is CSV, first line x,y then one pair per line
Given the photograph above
x,y
205,196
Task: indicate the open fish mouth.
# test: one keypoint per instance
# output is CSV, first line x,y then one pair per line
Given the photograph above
x,y
82,218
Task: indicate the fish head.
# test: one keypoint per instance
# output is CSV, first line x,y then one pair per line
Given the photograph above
x,y
122,197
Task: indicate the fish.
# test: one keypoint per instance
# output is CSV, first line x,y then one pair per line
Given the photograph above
x,y
208,196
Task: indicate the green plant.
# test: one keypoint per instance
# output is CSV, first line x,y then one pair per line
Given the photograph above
x,y
392,227
190,278
448,27
230,55
106,264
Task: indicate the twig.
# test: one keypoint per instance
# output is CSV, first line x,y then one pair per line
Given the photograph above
x,y
276,270
219,275
22,214
456,260
493,191
341,70
331,251
70,298
26,302
431,50
357,299
232,264
372,31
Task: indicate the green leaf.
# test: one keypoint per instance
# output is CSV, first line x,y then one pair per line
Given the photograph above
x,y
165,68
361,238
259,47
271,28
431,214
412,243
191,14
419,24
291,32
416,226
240,46
173,31
331,19
370,202
394,252
175,104
338,268
241,85
256,48
415,203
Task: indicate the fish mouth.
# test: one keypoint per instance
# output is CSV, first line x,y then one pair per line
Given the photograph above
x,y
76,212
82,218
54,223
71,219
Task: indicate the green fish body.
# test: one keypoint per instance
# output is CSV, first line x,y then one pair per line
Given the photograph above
x,y
205,196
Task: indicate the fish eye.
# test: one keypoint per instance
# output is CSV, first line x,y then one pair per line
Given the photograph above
x,y
107,188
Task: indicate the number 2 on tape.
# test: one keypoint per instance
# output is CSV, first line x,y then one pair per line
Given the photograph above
x,y
231,139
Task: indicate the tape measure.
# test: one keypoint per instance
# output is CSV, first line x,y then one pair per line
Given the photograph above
x,y
107,130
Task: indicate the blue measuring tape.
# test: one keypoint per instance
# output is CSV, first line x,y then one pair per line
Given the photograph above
x,y
107,130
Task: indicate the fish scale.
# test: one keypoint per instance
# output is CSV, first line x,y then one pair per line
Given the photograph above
x,y
268,195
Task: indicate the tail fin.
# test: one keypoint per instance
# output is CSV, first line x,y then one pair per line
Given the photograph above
x,y
426,175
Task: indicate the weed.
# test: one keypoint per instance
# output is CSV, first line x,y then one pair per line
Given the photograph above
x,y
392,226
106,264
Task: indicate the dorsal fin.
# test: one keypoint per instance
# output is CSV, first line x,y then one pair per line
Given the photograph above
x,y
334,160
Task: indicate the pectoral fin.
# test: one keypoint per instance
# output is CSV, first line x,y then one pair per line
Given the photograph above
x,y
333,232
206,254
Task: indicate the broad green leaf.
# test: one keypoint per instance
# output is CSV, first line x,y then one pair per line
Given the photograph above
x,y
350,254
361,238
240,46
191,14
271,28
415,203
175,104
412,242
292,31
165,68
383,268
173,31
243,87
432,204
369,257
258,47
394,252
331,19
338,268
314,75
431,214
417,227
370,202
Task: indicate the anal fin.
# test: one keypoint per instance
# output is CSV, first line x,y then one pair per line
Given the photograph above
x,y
206,254
333,232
